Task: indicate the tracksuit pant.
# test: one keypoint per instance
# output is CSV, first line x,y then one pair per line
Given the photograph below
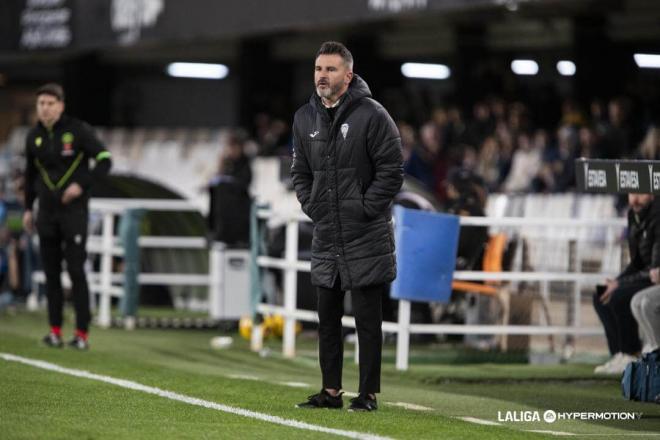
x,y
367,309
645,307
63,235
620,325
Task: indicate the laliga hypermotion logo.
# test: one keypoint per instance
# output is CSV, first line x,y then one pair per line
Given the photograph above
x,y
550,416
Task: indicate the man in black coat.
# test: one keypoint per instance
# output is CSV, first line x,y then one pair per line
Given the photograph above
x,y
347,168
613,302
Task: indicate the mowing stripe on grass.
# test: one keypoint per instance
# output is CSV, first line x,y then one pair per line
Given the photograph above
x,y
190,400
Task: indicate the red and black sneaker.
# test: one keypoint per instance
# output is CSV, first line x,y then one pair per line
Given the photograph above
x,y
79,341
53,340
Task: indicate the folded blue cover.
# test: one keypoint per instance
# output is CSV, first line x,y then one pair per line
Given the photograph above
x,y
426,244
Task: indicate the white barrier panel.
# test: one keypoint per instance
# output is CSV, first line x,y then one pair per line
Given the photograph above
x,y
403,328
107,246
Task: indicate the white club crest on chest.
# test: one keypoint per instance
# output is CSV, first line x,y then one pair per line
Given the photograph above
x,y
344,130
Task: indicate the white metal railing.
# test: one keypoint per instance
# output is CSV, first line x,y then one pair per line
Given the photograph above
x,y
403,328
107,246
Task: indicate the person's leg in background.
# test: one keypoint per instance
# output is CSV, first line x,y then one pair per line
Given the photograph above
x,y
75,254
609,324
628,332
50,249
645,307
129,234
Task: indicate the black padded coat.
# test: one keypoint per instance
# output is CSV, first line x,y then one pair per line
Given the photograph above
x,y
346,172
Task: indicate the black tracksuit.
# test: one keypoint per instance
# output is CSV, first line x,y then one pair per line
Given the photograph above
x,y
55,158
346,170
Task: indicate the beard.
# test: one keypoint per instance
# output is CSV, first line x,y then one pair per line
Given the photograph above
x,y
329,90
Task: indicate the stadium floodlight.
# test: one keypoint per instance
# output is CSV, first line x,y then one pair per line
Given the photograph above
x,y
524,67
425,71
566,68
647,60
197,70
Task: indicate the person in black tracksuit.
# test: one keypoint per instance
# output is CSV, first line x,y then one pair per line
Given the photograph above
x,y
612,304
58,174
347,167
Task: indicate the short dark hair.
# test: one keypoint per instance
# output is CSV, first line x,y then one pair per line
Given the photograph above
x,y
52,89
336,48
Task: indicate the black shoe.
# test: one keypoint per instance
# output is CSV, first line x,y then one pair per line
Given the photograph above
x,y
52,340
363,402
322,400
78,343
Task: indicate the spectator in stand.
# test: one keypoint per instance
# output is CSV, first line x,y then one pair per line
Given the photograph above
x,y
558,169
587,140
422,162
489,163
525,165
272,136
408,139
457,127
481,126
615,141
597,115
649,149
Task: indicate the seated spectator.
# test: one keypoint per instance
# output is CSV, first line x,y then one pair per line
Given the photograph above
x,y
613,304
466,197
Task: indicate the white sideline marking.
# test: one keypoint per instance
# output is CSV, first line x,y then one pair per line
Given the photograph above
x,y
410,406
542,431
479,421
190,400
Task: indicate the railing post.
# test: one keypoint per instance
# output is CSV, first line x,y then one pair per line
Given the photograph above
x,y
403,336
290,288
106,268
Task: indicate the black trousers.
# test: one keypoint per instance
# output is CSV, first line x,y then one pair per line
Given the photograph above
x,y
617,318
63,234
367,309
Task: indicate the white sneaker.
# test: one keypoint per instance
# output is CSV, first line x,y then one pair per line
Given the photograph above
x,y
604,368
619,365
